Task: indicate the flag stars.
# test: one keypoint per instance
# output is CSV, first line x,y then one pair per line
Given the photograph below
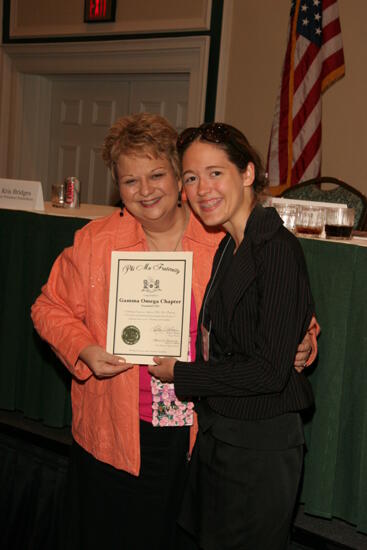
x,y
318,31
304,7
316,3
305,21
317,16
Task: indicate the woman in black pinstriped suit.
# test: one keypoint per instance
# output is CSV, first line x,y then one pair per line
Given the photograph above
x,y
248,457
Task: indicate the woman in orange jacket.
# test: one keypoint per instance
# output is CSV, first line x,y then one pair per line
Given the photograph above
x,y
127,468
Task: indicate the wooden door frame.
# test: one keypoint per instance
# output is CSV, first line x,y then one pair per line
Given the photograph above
x,y
26,68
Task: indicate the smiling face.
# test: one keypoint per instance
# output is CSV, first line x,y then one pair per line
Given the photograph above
x,y
148,188
218,192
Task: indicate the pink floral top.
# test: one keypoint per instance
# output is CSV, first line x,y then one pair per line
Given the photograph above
x,y
158,403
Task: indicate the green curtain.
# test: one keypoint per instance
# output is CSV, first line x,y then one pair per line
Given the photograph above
x,y
335,478
33,483
32,379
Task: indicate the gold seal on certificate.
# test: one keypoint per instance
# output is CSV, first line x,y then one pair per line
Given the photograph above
x,y
149,305
130,335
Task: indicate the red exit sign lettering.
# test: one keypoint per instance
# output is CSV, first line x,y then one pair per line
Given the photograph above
x,y
97,11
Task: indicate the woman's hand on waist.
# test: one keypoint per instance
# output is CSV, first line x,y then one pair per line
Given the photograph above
x,y
303,353
103,364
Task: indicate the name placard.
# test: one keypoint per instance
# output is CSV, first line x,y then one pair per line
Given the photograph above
x,y
21,194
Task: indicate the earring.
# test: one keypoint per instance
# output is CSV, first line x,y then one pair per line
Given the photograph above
x,y
179,199
122,206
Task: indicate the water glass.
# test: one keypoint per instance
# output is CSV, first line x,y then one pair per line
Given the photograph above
x,y
58,195
288,213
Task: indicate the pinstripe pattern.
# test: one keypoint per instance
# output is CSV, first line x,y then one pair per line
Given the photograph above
x,y
260,309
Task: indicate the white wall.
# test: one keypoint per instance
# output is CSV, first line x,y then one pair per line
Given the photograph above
x,y
257,48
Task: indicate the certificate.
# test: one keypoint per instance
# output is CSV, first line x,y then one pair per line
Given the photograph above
x,y
149,305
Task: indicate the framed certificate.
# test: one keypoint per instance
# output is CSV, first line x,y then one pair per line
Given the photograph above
x,y
149,305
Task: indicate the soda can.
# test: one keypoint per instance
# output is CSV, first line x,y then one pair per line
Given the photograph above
x,y
72,192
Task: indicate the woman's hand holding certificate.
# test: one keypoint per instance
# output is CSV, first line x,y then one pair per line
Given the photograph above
x,y
163,368
103,364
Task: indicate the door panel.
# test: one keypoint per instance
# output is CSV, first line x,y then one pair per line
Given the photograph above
x,y
165,96
82,111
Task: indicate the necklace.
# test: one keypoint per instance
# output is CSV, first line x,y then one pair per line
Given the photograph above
x,y
206,330
152,246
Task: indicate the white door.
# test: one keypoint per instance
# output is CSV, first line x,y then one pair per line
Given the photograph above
x,y
83,109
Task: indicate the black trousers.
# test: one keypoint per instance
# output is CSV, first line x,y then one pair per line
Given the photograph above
x,y
239,498
111,509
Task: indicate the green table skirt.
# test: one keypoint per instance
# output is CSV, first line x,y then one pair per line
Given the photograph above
x,y
335,479
33,381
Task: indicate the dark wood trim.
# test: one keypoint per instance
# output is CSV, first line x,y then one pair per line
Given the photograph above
x,y
213,65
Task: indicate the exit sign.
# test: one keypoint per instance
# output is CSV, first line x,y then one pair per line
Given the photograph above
x,y
99,11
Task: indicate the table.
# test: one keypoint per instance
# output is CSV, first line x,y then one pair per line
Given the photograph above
x,y
32,380
335,479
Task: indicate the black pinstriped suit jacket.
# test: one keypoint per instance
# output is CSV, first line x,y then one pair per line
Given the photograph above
x,y
260,307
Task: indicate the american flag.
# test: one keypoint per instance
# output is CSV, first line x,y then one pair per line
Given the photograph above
x,y
314,59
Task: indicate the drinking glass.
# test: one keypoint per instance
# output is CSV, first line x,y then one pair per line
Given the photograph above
x,y
288,213
339,223
310,220
58,195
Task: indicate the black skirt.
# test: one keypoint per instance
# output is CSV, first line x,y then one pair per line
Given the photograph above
x,y
111,509
242,497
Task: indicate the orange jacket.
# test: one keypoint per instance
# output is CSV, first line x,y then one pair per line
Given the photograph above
x,y
71,313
